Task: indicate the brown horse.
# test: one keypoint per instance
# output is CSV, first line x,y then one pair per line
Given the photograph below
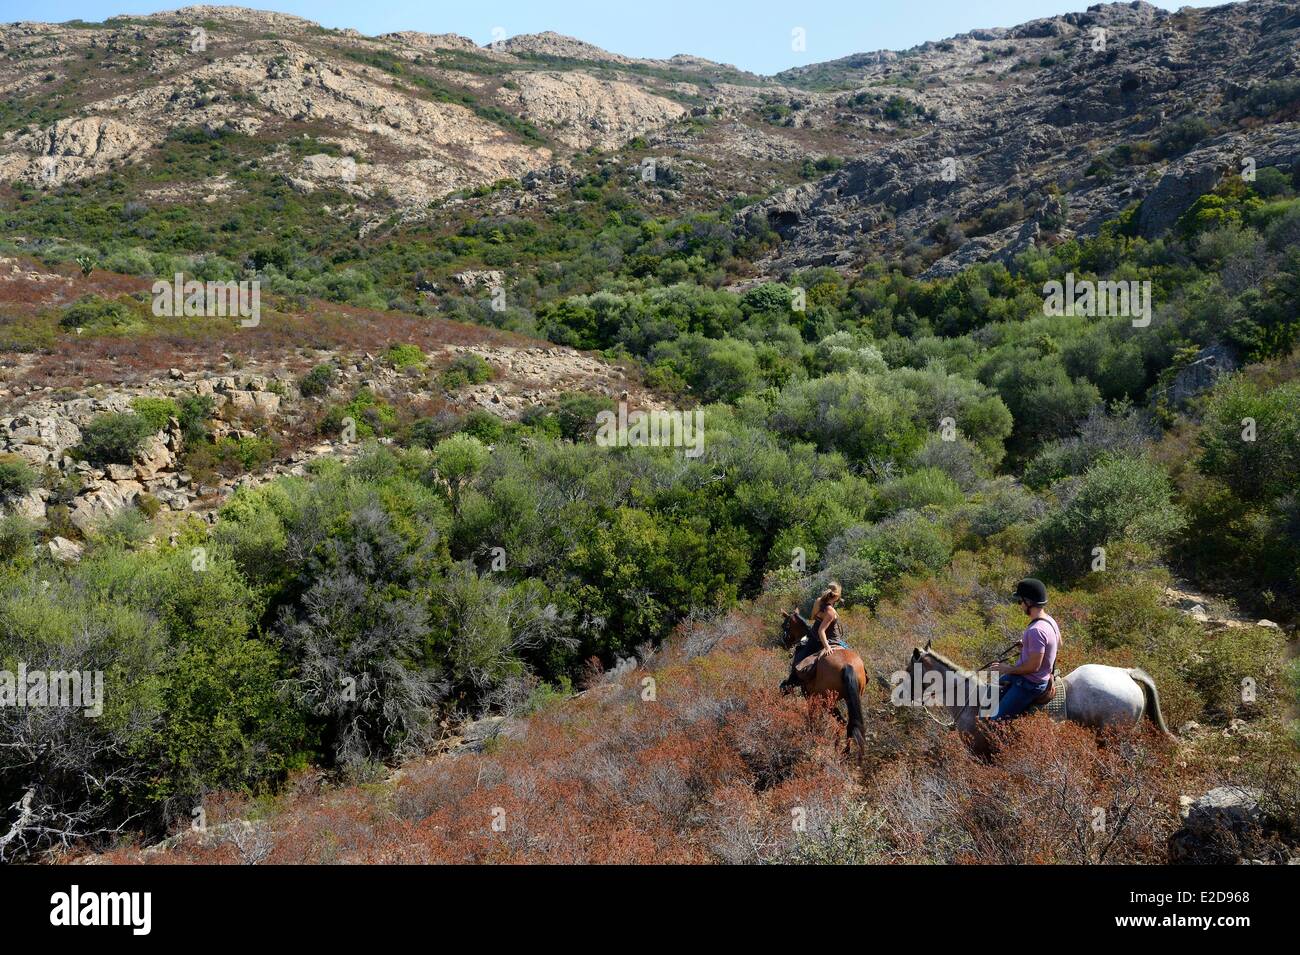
x,y
839,672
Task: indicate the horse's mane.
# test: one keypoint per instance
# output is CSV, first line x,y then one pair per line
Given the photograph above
x,y
948,663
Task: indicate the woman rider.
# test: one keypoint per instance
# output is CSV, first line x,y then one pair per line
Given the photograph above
x,y
826,631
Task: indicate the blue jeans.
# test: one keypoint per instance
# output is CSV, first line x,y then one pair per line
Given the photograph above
x,y
1016,695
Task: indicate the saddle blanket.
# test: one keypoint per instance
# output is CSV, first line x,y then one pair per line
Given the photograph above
x,y
1055,707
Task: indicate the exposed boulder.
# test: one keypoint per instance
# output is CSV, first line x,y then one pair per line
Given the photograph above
x,y
41,440
103,499
473,278
1223,826
153,458
64,550
1201,373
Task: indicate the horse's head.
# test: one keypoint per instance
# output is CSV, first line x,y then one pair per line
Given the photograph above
x,y
792,628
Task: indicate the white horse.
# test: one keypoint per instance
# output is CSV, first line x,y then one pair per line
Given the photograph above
x,y
1096,696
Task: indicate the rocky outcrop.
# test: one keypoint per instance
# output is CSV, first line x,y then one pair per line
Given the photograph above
x,y
40,439
980,129
99,501
471,279
71,149
995,122
552,44
1199,375
45,430
583,111
1223,826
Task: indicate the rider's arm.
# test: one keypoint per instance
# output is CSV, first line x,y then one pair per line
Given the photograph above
x,y
828,616
1032,663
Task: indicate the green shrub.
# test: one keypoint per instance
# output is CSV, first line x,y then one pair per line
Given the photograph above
x,y
1226,659
849,413
16,476
155,412
370,414
406,356
928,487
1000,505
17,535
483,425
95,313
575,415
317,381
148,505
466,368
248,453
113,438
193,413
1123,500
124,527
1251,438
458,460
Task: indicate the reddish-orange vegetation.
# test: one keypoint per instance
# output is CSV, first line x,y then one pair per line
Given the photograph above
x,y
1052,793
694,757
61,358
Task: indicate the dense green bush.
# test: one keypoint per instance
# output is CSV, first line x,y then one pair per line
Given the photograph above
x,y
95,313
194,413
405,356
1123,500
113,438
1251,438
155,412
317,381
466,368
928,487
16,476
369,414
849,413
1244,528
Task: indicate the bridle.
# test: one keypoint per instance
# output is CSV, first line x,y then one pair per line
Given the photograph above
x,y
965,706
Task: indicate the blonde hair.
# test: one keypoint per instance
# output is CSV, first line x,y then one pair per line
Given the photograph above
x,y
833,590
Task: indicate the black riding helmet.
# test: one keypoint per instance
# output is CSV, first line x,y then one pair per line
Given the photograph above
x,y
1031,591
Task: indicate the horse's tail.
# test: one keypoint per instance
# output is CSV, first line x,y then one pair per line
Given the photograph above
x,y
853,700
1152,697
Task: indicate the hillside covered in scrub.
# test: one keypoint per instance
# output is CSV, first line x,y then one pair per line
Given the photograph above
x,y
365,587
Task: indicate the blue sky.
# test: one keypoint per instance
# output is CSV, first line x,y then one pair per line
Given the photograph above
x,y
754,35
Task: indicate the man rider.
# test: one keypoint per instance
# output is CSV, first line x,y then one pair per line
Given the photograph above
x,y
1027,679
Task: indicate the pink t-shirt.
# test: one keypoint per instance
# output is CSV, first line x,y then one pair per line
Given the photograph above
x,y
1043,635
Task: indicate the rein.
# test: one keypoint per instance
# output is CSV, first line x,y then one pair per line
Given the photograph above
x,y
965,706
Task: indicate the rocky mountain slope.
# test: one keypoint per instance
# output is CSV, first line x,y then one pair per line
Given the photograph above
x,y
413,115
955,151
1051,127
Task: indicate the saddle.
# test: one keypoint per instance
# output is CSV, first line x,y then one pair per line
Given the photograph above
x,y
804,668
1053,699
